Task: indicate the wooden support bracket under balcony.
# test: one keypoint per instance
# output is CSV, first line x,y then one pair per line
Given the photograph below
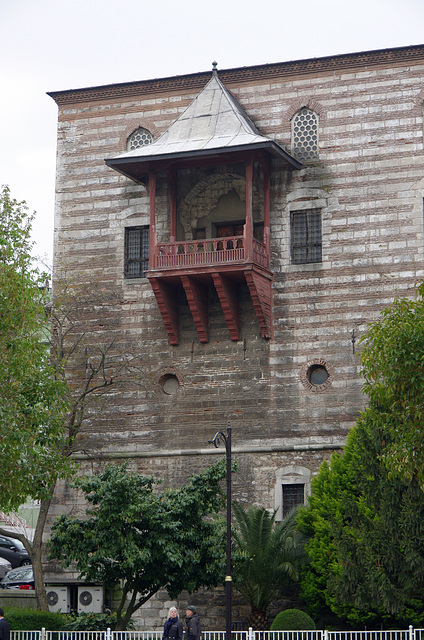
x,y
260,289
197,298
228,294
167,299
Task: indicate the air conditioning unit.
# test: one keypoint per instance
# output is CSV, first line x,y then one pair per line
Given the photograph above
x,y
58,599
90,599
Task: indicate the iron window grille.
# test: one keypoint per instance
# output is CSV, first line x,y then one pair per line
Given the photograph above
x,y
139,138
292,496
136,252
306,237
305,135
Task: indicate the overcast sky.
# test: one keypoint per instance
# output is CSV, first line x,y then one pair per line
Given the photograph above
x,y
50,45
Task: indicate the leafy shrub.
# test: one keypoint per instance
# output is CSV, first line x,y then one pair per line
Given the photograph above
x,y
293,620
33,619
90,622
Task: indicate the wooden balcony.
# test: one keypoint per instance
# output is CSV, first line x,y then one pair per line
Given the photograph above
x,y
213,252
224,263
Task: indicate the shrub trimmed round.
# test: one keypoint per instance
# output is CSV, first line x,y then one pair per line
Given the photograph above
x,y
293,620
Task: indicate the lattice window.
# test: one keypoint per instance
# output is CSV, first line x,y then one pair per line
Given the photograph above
x,y
306,237
292,496
140,138
136,252
305,135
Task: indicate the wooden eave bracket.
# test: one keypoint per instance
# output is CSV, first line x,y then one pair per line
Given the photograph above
x,y
197,298
260,289
167,299
228,294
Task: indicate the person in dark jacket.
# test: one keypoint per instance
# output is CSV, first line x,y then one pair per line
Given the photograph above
x,y
173,628
193,629
4,627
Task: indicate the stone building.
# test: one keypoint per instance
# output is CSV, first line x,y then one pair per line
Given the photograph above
x,y
250,222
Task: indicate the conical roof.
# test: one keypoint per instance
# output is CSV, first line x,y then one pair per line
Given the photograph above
x,y
214,123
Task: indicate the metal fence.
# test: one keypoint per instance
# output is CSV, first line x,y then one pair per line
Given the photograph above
x,y
403,634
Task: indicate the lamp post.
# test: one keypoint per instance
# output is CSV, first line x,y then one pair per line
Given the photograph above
x,y
216,441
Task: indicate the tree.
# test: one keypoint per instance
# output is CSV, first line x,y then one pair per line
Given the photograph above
x,y
365,518
32,399
267,555
366,529
392,359
47,395
147,539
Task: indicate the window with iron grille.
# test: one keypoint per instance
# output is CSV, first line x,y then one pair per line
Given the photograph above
x,y
139,138
305,135
136,251
292,496
306,240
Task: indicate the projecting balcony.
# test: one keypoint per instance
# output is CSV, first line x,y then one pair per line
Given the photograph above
x,y
209,253
224,263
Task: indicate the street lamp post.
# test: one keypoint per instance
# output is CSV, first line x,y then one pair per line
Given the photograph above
x,y
216,441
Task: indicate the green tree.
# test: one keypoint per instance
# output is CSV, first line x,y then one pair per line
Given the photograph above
x,y
46,393
32,399
146,538
366,529
392,359
365,518
267,556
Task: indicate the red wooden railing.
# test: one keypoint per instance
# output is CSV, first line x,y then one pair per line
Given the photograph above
x,y
178,255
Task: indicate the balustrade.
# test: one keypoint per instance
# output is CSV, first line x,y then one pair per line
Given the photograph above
x,y
214,251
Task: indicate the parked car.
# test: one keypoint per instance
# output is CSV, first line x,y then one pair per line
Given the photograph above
x,y
14,551
5,567
21,578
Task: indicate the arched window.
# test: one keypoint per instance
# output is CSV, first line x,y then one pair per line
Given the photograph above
x,y
305,134
139,138
292,487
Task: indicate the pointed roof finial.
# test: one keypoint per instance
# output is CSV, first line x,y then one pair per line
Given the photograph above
x,y
214,69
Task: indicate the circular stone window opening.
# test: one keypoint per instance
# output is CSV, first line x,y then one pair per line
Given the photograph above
x,y
317,375
170,384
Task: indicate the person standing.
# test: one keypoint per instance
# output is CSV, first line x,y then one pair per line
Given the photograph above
x,y
4,627
173,628
193,624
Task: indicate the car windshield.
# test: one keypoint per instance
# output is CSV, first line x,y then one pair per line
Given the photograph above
x,y
21,574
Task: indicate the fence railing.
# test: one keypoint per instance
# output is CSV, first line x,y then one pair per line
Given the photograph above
x,y
402,634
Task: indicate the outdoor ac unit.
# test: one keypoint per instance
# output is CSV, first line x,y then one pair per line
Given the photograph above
x,y
90,599
58,599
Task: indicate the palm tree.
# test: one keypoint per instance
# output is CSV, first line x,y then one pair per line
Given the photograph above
x,y
266,555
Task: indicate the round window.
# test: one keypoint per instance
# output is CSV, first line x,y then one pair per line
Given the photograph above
x,y
317,375
170,384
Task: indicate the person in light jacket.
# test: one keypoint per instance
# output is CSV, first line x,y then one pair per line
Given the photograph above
x,y
193,629
173,628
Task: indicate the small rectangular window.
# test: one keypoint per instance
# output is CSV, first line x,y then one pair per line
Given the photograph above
x,y
136,252
293,495
306,240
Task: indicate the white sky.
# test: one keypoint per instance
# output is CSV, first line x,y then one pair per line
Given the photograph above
x,y
50,45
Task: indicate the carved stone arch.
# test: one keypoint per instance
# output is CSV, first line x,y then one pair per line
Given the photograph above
x,y
211,188
290,474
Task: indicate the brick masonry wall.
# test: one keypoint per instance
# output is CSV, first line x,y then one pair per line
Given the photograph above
x,y
368,184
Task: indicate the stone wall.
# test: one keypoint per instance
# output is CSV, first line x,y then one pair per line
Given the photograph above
x,y
369,187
